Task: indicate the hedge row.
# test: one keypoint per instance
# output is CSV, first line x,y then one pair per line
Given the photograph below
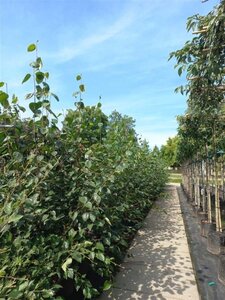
x,y
70,198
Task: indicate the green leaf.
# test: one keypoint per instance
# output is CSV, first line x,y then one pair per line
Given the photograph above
x,y
34,65
55,96
87,293
2,84
77,256
100,256
92,217
82,88
2,273
72,233
18,156
180,71
78,77
34,106
14,99
88,243
31,47
28,96
14,218
39,76
83,199
90,226
124,243
92,255
85,216
46,103
74,215
26,78
4,99
108,221
66,264
70,273
99,246
107,285
39,63
88,205
88,164
107,242
23,285
128,153
48,294
80,105
46,87
15,294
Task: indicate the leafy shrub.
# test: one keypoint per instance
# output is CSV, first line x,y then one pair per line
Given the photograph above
x,y
70,199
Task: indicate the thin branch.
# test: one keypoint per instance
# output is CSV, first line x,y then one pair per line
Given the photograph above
x,y
6,126
200,31
194,78
211,48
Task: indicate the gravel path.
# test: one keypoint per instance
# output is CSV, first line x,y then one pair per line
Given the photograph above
x,y
158,264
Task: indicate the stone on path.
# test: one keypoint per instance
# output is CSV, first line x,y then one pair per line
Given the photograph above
x,y
158,264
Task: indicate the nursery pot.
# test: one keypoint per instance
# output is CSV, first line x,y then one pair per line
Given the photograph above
x,y
202,216
216,242
206,227
221,268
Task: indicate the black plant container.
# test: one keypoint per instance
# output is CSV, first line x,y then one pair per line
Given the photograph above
x,y
216,242
205,228
221,268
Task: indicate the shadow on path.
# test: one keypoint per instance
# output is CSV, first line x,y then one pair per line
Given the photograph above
x,y
158,264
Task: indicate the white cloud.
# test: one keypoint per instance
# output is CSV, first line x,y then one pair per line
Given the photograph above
x,y
80,47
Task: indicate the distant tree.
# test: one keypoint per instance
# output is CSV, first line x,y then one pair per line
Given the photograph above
x,y
169,152
156,151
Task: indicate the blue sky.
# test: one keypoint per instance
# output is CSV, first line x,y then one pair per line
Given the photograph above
x,y
120,47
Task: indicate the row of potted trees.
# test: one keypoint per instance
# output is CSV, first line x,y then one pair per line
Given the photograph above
x,y
201,129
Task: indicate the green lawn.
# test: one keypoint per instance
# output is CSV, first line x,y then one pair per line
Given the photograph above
x,y
175,177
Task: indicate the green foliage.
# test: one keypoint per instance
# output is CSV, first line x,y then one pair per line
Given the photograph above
x,y
169,152
70,199
175,177
202,127
26,78
31,47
